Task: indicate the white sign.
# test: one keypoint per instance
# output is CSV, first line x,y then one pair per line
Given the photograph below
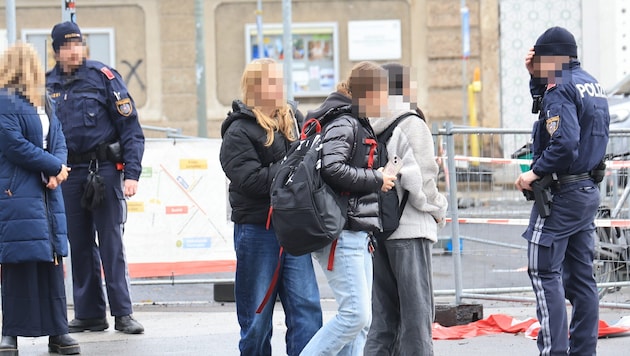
x,y
374,40
178,222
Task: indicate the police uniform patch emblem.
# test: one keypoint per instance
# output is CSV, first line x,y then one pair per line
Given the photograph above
x,y
552,124
108,73
124,107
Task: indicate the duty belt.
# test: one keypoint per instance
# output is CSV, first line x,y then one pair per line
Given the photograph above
x,y
102,152
86,157
572,178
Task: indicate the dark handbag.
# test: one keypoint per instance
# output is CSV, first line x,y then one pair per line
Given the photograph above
x,y
93,190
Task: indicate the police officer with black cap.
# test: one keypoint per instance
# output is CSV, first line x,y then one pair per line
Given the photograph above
x,y
569,143
105,147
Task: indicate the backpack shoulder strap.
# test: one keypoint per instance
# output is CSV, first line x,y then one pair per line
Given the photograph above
x,y
334,113
387,133
326,118
384,137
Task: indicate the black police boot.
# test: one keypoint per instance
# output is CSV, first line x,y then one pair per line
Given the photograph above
x,y
80,325
63,345
128,325
8,346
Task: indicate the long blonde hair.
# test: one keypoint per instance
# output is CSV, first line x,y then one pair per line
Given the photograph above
x,y
21,70
281,118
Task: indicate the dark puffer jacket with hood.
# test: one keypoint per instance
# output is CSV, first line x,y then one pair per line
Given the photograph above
x,y
249,164
348,147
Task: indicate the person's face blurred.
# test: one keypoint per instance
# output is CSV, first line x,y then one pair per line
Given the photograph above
x,y
267,86
410,94
71,55
550,67
272,90
374,103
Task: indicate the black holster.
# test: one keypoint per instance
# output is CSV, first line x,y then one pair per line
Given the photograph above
x,y
599,172
541,195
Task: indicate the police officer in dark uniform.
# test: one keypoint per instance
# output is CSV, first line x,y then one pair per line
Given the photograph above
x,y
105,147
569,143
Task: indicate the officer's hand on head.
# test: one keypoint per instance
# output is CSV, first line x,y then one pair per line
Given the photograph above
x,y
63,174
529,61
131,187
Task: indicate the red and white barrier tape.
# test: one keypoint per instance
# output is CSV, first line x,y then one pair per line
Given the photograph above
x,y
609,164
525,222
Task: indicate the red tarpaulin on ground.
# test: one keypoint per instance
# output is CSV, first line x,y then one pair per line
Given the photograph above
x,y
501,323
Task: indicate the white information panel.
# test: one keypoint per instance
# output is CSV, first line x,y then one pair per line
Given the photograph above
x,y
374,40
178,222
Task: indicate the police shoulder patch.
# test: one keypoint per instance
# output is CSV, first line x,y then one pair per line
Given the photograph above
x,y
108,73
552,124
124,107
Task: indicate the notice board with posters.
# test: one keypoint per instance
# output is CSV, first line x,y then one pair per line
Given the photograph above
x,y
315,54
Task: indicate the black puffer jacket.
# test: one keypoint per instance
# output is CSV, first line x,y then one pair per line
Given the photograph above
x,y
248,164
345,156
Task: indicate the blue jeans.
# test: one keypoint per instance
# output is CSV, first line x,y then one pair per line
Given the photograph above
x,y
257,253
351,282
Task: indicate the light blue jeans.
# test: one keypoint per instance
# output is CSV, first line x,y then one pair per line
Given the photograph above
x,y
351,282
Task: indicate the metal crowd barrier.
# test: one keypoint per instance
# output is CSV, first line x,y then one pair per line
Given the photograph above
x,y
487,215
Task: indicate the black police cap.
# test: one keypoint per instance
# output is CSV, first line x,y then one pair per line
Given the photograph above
x,y
556,41
64,32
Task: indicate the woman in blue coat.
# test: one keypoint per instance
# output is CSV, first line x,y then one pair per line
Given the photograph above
x,y
33,236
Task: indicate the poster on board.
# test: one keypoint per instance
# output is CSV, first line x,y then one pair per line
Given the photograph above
x,y
315,54
178,223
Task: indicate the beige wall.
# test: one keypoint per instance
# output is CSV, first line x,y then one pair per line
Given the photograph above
x,y
160,35
129,40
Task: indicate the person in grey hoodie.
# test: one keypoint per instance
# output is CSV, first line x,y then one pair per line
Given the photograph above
x,y
402,295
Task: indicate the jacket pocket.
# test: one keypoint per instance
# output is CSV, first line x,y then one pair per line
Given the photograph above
x,y
599,124
8,184
93,105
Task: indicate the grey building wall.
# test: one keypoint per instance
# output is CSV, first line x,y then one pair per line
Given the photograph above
x,y
155,49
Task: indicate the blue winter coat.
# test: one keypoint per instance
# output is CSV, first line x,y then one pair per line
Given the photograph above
x,y
32,217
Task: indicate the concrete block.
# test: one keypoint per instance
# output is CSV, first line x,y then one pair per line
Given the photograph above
x,y
224,292
462,314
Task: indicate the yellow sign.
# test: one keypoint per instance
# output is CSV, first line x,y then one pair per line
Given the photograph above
x,y
193,164
135,206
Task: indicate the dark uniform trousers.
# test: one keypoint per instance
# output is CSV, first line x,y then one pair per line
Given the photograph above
x,y
561,249
104,223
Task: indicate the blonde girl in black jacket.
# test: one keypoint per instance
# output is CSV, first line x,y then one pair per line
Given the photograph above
x,y
256,136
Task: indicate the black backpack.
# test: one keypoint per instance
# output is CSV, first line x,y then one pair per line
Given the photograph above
x,y
305,212
390,207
